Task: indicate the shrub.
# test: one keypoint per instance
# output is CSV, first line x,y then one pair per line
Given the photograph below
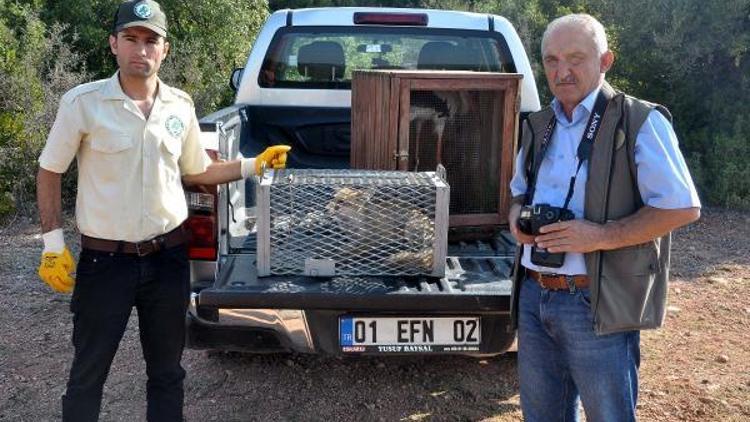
x,y
37,66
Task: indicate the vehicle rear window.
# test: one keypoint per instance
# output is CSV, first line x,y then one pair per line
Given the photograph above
x,y
316,57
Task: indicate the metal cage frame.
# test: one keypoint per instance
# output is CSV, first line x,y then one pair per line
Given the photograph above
x,y
352,222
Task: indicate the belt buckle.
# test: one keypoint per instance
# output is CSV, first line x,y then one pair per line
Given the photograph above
x,y
139,251
141,248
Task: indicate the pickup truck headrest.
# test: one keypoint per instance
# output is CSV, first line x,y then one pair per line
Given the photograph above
x,y
440,55
321,61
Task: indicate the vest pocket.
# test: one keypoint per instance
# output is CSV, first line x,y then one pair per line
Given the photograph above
x,y
630,296
640,259
630,303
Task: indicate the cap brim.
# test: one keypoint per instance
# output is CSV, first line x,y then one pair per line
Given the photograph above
x,y
144,24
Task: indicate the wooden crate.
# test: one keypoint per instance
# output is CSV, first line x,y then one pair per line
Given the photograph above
x,y
466,121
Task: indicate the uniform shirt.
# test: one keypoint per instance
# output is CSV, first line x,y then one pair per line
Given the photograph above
x,y
129,167
663,177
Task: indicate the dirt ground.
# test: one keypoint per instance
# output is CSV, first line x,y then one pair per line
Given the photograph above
x,y
697,368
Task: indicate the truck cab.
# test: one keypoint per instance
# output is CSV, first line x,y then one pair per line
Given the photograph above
x,y
295,89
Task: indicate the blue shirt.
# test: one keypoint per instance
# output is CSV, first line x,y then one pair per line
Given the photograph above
x,y
663,177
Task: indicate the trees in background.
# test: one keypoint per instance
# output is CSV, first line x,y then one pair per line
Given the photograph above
x,y
208,39
690,55
694,57
49,46
37,65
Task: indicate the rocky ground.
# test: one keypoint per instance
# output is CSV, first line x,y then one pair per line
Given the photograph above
x,y
695,369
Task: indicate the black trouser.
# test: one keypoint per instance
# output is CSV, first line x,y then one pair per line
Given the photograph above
x,y
108,285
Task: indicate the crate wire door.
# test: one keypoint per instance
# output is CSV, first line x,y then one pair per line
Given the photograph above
x,y
476,162
352,222
466,121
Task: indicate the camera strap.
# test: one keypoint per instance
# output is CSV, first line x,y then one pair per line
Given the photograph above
x,y
584,147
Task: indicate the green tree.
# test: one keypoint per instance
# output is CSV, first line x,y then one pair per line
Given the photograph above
x,y
692,56
47,46
37,66
208,39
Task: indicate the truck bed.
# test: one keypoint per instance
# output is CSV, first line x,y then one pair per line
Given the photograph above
x,y
242,311
480,269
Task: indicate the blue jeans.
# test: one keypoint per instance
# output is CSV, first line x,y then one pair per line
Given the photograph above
x,y
108,286
562,361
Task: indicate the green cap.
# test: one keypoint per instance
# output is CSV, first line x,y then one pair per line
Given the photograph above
x,y
145,13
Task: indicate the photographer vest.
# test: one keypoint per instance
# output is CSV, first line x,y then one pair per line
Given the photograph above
x,y
628,285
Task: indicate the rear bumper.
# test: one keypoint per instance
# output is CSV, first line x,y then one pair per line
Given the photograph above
x,y
252,330
242,311
412,301
315,330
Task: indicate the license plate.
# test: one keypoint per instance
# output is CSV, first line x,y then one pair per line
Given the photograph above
x,y
409,334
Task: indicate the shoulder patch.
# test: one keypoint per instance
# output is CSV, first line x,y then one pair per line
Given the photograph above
x,y
83,89
174,126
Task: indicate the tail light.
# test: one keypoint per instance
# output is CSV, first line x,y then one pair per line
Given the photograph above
x,y
202,222
202,245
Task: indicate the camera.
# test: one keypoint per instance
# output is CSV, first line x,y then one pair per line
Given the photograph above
x,y
531,218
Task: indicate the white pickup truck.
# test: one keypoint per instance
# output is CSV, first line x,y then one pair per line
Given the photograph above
x,y
295,89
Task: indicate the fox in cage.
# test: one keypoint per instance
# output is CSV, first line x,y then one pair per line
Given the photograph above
x,y
373,221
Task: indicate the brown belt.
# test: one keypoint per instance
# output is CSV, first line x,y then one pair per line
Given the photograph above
x,y
174,238
559,281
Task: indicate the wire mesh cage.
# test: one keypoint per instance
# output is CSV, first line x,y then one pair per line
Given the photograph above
x,y
352,222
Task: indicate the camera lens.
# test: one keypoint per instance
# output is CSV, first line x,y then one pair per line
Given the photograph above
x,y
549,216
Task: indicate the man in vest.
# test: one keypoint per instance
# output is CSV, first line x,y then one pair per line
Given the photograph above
x,y
135,139
578,317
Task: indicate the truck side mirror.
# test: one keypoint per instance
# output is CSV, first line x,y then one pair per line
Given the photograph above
x,y
234,80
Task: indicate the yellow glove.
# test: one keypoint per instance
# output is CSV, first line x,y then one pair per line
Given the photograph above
x,y
56,269
272,157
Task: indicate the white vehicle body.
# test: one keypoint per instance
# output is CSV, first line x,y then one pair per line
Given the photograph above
x,y
251,93
233,308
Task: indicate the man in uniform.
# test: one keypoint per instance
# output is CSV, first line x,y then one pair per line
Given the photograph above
x,y
135,139
614,162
